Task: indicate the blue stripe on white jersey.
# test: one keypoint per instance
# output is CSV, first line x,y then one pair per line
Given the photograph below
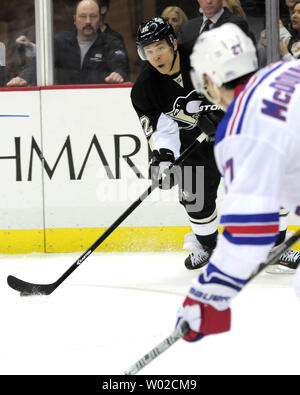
x,y
232,122
222,126
249,218
251,229
212,275
252,240
250,94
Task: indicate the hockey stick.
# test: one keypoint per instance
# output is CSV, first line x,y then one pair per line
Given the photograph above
x,y
179,332
27,289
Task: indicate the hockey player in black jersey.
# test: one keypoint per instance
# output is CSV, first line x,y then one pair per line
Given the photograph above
x,y
173,115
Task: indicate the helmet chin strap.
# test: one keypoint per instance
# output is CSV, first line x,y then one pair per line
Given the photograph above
x,y
217,100
174,60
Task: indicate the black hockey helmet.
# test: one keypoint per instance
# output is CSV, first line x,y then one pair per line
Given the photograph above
x,y
153,30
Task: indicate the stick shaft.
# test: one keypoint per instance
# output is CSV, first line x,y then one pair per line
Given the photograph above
x,y
177,334
275,255
46,289
129,210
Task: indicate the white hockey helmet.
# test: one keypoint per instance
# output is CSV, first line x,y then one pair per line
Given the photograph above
x,y
224,54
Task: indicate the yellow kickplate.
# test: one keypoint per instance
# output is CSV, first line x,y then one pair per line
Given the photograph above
x,y
126,239
122,239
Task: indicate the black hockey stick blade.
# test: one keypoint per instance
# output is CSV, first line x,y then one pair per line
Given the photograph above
x,y
29,289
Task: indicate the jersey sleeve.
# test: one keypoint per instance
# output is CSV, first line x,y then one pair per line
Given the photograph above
x,y
160,129
252,170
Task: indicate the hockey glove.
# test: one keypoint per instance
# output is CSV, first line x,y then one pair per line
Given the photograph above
x,y
206,308
161,160
208,123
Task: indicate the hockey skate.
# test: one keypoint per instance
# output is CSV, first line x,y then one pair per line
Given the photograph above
x,y
287,263
199,257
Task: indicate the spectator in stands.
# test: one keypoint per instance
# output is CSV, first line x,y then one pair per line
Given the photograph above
x,y
176,17
17,18
286,18
290,49
289,46
235,7
84,55
214,15
29,47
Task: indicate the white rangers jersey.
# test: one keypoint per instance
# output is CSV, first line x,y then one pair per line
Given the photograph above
x,y
257,150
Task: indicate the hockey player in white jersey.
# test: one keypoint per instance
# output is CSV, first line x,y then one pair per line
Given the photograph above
x,y
257,147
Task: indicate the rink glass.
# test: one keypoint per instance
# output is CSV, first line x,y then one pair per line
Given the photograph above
x,y
19,18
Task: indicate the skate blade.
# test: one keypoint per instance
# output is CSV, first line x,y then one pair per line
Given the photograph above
x,y
280,269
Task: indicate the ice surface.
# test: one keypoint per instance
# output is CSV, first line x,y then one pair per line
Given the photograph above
x,y
117,306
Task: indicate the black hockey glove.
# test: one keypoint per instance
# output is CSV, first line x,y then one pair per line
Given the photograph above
x,y
160,162
208,123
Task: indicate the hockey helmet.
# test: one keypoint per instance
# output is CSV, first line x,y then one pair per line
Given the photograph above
x,y
224,54
153,30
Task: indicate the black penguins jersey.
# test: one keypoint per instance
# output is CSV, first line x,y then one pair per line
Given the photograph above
x,y
169,107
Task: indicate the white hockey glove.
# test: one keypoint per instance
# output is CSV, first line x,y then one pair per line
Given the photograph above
x,y
161,160
206,307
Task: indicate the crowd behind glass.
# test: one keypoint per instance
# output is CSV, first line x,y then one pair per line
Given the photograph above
x,y
94,40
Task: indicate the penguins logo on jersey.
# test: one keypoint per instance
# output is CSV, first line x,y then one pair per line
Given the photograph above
x,y
186,110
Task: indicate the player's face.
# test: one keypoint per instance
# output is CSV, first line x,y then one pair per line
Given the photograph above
x,y
86,19
210,7
160,55
295,17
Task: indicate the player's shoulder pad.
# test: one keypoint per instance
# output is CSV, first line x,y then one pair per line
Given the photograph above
x,y
146,81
